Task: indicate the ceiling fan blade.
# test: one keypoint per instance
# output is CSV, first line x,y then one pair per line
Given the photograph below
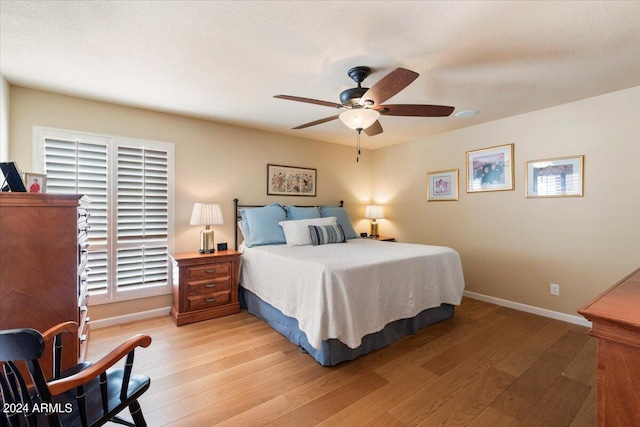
x,y
308,101
389,86
415,110
374,129
317,122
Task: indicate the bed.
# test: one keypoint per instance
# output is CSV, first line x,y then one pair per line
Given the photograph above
x,y
338,300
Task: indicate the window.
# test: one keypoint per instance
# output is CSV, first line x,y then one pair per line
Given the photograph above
x,y
130,185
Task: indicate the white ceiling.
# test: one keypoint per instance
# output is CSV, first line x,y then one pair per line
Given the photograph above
x,y
224,60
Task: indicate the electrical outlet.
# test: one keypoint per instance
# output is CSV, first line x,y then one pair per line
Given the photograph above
x,y
554,289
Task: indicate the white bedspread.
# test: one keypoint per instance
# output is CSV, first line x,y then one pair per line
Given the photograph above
x,y
347,291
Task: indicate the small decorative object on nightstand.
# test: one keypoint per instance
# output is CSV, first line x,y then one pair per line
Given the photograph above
x,y
206,214
385,238
374,212
204,285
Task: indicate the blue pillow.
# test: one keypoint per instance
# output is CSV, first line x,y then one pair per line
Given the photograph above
x,y
263,225
295,212
343,219
324,234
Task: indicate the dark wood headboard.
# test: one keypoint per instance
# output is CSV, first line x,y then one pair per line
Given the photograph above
x,y
238,206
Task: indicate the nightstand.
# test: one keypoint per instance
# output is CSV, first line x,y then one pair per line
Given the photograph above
x,y
385,238
205,286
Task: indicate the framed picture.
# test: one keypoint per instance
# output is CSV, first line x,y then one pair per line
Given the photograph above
x,y
558,177
291,181
35,182
442,186
490,169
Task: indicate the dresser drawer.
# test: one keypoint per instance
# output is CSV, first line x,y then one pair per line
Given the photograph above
x,y
209,270
198,302
215,284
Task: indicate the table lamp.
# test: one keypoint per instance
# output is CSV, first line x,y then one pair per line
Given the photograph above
x,y
374,212
206,214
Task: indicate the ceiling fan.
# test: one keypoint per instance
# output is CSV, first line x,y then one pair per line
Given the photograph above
x,y
363,106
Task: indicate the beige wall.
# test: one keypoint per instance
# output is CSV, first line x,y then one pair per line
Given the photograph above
x,y
4,119
512,247
214,162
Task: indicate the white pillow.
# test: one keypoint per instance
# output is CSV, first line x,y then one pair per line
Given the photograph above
x,y
297,233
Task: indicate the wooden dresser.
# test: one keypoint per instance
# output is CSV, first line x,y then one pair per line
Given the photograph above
x,y
616,324
42,259
204,285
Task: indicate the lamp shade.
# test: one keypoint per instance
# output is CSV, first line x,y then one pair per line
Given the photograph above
x,y
359,118
206,214
373,212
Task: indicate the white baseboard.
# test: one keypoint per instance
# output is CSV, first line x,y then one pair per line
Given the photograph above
x,y
118,320
577,320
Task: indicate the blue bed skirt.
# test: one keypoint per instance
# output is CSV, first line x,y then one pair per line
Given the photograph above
x,y
333,351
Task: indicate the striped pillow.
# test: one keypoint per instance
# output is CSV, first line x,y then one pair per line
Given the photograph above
x,y
323,234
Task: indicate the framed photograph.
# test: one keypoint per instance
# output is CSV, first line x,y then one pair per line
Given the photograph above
x,y
35,182
291,181
490,169
558,177
442,186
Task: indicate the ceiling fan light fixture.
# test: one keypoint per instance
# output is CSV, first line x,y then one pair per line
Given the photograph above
x,y
359,118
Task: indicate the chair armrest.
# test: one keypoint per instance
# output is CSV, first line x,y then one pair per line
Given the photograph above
x,y
83,377
66,327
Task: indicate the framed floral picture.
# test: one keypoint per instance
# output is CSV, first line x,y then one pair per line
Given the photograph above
x,y
35,182
291,181
442,186
490,169
558,177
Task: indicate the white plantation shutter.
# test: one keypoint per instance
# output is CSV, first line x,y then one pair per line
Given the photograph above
x,y
142,216
129,185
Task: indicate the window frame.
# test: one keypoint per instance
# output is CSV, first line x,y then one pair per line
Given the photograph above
x,y
40,133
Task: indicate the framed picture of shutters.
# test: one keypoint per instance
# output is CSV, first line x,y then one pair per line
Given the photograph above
x,y
558,177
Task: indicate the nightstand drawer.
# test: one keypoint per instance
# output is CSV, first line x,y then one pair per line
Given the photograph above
x,y
215,284
209,270
207,301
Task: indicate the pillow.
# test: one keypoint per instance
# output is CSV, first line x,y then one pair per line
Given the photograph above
x,y
243,229
324,234
262,225
343,219
296,232
295,212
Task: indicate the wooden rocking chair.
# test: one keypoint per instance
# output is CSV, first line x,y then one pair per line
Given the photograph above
x,y
88,394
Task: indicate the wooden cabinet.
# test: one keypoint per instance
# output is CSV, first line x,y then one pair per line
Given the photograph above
x,y
41,263
204,285
615,316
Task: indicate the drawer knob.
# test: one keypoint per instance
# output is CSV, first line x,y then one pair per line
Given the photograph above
x,y
213,270
211,285
208,300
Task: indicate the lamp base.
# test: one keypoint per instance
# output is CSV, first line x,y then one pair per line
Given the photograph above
x,y
374,229
206,241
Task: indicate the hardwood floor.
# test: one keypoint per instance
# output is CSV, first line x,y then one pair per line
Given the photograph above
x,y
488,366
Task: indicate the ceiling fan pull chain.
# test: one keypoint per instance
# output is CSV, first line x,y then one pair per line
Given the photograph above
x,y
358,146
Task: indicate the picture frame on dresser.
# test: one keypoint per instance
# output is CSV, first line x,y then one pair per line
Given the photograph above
x,y
35,182
11,178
